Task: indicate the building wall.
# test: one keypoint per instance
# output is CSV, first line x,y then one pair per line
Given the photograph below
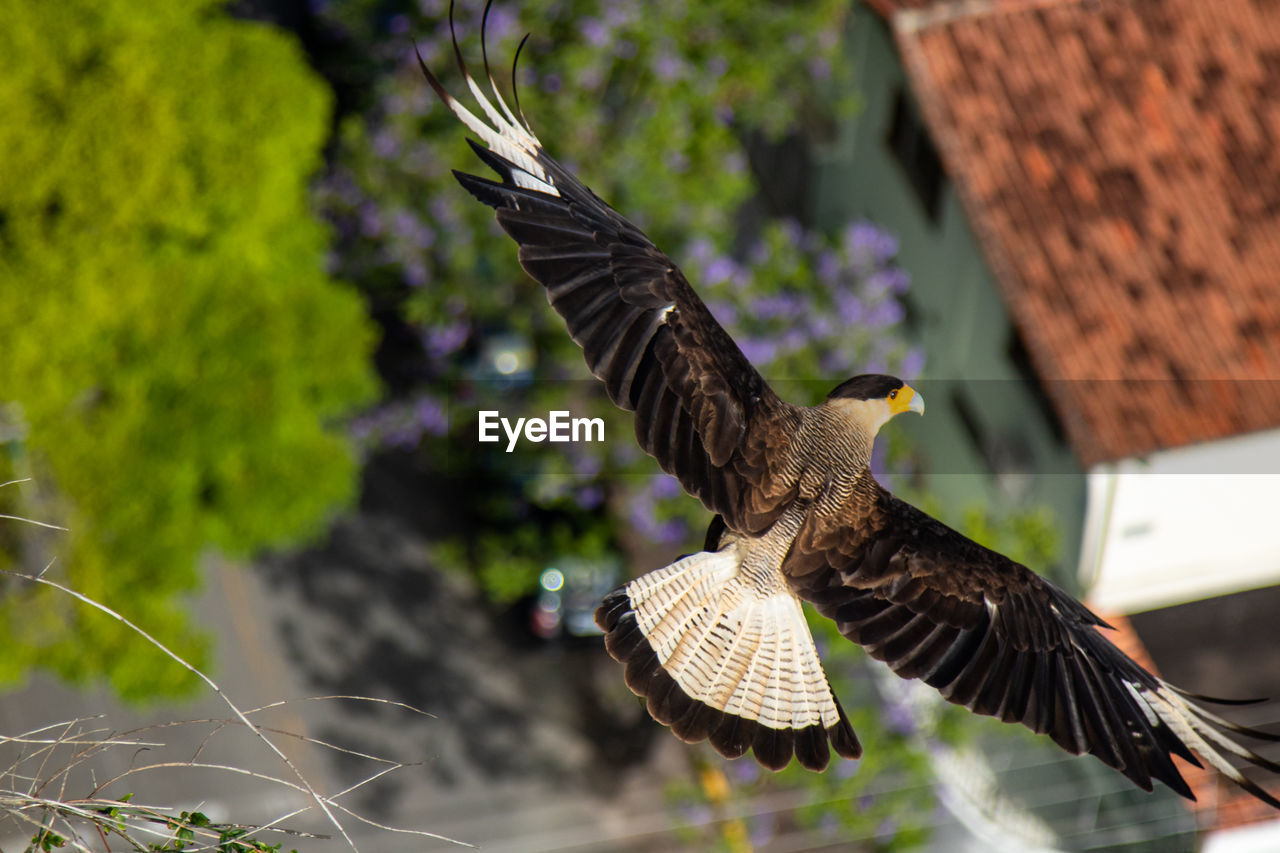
x,y
977,392
1184,524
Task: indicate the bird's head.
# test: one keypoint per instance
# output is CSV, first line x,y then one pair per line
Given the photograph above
x,y
873,399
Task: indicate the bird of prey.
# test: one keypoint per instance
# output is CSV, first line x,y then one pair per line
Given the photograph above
x,y
717,642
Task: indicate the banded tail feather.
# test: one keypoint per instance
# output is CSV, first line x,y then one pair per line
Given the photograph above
x,y
717,658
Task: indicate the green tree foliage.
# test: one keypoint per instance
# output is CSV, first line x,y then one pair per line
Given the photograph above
x,y
174,355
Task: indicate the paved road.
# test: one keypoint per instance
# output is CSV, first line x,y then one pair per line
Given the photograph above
x,y
527,749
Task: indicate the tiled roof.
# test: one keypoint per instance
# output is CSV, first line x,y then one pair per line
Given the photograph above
x,y
1120,163
1195,645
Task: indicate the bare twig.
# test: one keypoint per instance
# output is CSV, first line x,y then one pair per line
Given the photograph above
x,y
54,816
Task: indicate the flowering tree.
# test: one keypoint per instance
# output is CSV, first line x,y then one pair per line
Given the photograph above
x,y
651,110
803,305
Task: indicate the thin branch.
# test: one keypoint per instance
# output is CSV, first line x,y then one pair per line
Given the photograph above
x,y
36,523
315,796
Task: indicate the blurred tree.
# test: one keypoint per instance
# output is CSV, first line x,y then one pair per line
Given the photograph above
x,y
652,104
655,106
175,357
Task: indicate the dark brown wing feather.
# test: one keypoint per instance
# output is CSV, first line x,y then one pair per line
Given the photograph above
x,y
700,407
991,635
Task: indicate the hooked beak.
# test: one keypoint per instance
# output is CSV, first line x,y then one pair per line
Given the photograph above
x,y
908,399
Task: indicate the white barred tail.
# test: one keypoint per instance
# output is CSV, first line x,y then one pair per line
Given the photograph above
x,y
716,657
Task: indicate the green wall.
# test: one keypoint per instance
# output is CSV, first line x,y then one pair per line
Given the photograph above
x,y
960,319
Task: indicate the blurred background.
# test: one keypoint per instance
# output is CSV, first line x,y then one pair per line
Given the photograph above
x,y
249,321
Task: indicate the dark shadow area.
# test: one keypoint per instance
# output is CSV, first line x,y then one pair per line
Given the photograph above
x,y
366,614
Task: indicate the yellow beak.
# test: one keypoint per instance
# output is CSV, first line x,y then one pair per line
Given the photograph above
x,y
908,400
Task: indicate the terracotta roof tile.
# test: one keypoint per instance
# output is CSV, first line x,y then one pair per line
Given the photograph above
x,y
1120,163
1219,804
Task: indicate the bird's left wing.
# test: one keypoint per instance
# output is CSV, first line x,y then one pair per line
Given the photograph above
x,y
993,636
701,409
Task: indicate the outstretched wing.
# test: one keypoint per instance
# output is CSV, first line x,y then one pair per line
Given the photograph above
x,y
991,635
700,407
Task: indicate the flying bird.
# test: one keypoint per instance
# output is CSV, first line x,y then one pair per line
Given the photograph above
x,y
717,642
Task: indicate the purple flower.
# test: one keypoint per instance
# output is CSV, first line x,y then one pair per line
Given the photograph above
x,y
618,15
885,314
821,326
671,531
763,829
868,244
665,486
409,228
828,266
898,279
398,25
849,308
698,814
913,362
724,312
430,51
716,66
758,352
589,497
441,211
793,339
819,69
745,771
415,273
594,31
584,465
501,22
551,83
667,67
899,719
431,416
784,305
640,514
440,341
700,250
835,364
720,269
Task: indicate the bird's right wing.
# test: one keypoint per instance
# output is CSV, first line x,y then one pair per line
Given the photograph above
x,y
701,409
993,636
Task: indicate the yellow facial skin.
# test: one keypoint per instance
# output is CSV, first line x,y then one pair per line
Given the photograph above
x,y
905,399
867,416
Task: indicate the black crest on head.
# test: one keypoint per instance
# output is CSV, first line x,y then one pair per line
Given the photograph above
x,y
868,386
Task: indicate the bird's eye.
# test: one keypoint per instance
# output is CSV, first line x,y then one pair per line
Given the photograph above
x,y
893,395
